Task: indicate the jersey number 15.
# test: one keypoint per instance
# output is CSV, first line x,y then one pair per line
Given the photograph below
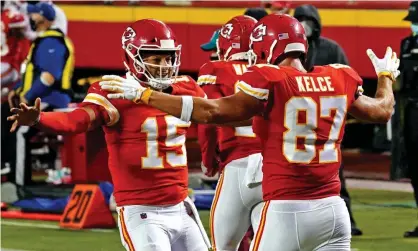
x,y
157,150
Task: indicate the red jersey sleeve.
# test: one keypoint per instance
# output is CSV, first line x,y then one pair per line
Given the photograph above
x,y
105,108
207,74
81,120
254,83
216,72
77,121
208,134
212,91
353,82
185,85
199,92
208,141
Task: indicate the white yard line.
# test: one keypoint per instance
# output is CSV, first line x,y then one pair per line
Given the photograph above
x,y
48,226
8,249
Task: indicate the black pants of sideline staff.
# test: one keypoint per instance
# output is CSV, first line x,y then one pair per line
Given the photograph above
x,y
411,143
411,146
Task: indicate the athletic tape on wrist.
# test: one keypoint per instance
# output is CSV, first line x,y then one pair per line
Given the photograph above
x,y
144,97
187,108
387,74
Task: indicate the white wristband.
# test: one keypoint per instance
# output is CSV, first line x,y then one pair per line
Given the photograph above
x,y
187,108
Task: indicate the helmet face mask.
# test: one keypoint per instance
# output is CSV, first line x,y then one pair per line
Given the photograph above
x,y
17,23
151,53
155,67
159,65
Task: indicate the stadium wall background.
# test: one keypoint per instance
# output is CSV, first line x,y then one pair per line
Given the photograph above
x,y
95,30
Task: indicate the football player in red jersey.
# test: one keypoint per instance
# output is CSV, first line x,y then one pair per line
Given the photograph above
x,y
14,47
300,119
238,190
147,152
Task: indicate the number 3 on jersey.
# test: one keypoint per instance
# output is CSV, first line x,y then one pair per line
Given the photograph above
x,y
174,141
306,130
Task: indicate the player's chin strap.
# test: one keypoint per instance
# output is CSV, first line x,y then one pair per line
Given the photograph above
x,y
252,57
160,84
154,83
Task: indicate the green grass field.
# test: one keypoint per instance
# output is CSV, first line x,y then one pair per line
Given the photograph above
x,y
383,216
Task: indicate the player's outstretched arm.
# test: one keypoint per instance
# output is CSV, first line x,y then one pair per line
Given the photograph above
x,y
380,108
77,121
247,122
237,107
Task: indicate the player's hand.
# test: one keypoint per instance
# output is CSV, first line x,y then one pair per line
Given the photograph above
x,y
25,115
211,171
122,88
386,66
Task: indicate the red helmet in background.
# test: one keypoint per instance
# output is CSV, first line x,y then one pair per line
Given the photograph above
x,y
274,36
17,20
11,18
15,5
150,36
234,37
279,7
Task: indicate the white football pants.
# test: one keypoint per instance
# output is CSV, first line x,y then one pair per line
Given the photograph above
x,y
164,228
298,225
234,208
8,74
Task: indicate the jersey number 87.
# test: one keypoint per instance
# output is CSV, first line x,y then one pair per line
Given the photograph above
x,y
306,130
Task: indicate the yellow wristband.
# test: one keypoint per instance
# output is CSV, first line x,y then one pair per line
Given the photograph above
x,y
145,96
387,74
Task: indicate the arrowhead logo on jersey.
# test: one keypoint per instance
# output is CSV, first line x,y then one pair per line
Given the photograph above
x,y
258,33
128,35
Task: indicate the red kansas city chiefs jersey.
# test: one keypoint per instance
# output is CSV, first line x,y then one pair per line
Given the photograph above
x,y
302,127
218,79
13,50
147,152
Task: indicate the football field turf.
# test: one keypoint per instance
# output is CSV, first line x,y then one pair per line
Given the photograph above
x,y
382,215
